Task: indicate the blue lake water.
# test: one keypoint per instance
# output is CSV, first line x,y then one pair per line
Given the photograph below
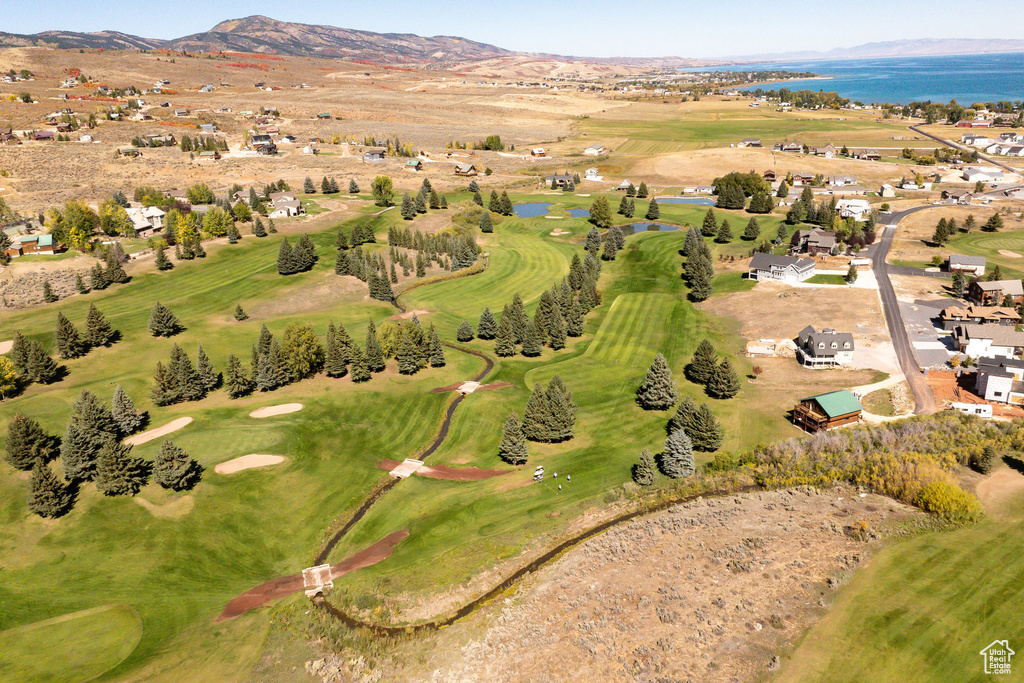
x,y
702,201
579,213
646,227
531,209
900,80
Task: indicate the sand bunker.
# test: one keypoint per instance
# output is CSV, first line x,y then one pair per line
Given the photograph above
x,y
554,218
171,426
286,585
447,473
5,346
467,388
271,411
558,232
247,462
1005,252
408,314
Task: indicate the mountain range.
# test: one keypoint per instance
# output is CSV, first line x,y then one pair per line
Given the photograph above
x,y
264,35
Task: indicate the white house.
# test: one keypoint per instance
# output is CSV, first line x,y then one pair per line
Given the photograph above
x,y
824,348
146,220
591,174
594,150
973,174
971,265
287,208
887,191
857,209
988,341
1000,381
784,268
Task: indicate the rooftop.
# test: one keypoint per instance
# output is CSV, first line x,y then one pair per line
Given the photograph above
x,y
836,403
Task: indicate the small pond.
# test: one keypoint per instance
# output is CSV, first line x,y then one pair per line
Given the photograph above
x,y
531,209
702,201
646,227
579,213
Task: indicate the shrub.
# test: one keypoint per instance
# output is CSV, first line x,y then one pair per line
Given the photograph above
x,y
948,502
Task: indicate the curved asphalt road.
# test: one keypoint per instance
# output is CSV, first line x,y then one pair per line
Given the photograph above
x,y
924,399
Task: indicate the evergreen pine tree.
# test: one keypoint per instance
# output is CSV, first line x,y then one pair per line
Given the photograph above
x,y
561,411
752,231
465,332
270,226
27,443
308,187
643,470
653,211
238,382
487,326
557,331
69,341
536,418
285,262
593,242
486,224
407,357
80,283
174,469
532,341
118,472
545,311
162,262
630,190
658,391
709,228
684,418
48,496
444,202
702,365
19,353
335,358
677,458
575,320
958,284
477,199
518,318
128,419
408,209
97,330
724,235
724,383
187,380
353,186
39,367
494,203
197,247
240,313
258,228
358,367
505,204
642,192
504,343
164,391
208,377
623,205
48,295
420,203
374,353
436,351
705,431
163,323
77,457
513,448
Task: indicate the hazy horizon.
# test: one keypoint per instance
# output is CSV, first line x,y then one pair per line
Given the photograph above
x,y
597,28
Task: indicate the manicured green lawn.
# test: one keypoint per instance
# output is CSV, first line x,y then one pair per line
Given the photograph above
x,y
988,244
826,279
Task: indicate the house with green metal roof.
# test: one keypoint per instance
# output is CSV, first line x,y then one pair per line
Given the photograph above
x,y
827,411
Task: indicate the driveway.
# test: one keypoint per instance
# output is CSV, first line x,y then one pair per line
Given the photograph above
x,y
932,345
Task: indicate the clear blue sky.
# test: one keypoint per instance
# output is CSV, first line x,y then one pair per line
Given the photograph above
x,y
597,28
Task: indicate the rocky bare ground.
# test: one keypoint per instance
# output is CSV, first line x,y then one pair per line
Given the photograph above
x,y
26,289
714,590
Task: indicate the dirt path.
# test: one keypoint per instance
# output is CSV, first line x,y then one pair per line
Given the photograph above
x,y
286,585
144,437
996,490
482,387
448,473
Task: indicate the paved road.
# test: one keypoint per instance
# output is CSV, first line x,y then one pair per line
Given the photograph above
x,y
924,399
965,148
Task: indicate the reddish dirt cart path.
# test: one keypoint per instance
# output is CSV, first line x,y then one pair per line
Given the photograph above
x,y
448,473
286,585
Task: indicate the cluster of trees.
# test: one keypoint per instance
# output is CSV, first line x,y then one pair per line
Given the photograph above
x,y
109,272
200,143
28,361
91,450
627,207
491,143
549,417
698,267
717,377
426,196
71,343
501,205
297,259
180,381
328,186
640,193
806,99
614,241
451,252
733,189
825,214
945,229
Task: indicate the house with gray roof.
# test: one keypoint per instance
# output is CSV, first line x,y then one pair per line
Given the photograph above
x,y
783,268
993,292
814,241
1000,380
824,348
988,341
969,265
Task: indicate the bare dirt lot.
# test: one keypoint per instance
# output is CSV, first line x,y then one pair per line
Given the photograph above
x,y
709,591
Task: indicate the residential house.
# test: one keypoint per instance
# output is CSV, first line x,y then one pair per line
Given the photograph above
x,y
802,179
209,128
784,268
286,196
623,186
848,190
841,180
9,137
975,140
829,151
180,196
594,150
559,180
1000,380
887,191
994,292
770,176
813,242
287,208
971,265
592,174
988,341
857,209
789,147
952,316
827,411
181,112
465,170
374,155
749,142
1011,137
209,156
866,155
962,197
973,174
825,348
413,165
43,135
538,152
34,244
159,140
129,152
147,220
260,139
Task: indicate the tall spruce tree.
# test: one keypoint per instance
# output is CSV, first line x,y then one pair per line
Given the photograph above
x,y
285,263
513,448
574,322
48,295
465,332
162,262
752,231
487,326
562,411
709,228
19,353
69,341
593,244
724,235
653,211
175,469
238,382
643,470
163,323
436,351
164,391
677,457
334,358
407,357
536,424
240,313
359,368
658,390
118,472
48,496
723,383
702,365
208,377
128,419
532,341
98,331
684,418
486,224
705,432
557,331
518,318
504,342
189,384
374,354
27,443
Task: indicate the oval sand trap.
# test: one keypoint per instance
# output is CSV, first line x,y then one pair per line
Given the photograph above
x,y
1005,252
247,462
172,426
5,346
271,411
